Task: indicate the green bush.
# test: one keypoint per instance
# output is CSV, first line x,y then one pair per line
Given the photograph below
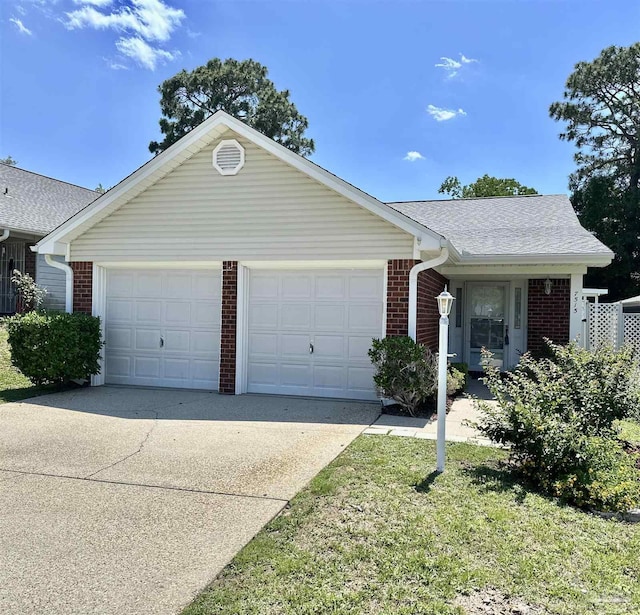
x,y
405,371
55,347
554,413
456,379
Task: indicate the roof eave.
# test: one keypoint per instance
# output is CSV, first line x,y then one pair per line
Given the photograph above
x,y
596,259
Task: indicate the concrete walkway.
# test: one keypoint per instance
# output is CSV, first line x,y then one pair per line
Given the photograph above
x,y
121,501
463,411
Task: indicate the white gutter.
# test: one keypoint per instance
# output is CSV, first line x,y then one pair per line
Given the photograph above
x,y
68,297
413,287
5,235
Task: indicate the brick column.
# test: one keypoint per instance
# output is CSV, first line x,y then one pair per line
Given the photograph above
x,y
398,296
430,285
228,329
82,286
547,315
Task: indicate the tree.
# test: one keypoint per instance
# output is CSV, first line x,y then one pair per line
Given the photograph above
x,y
483,186
12,162
601,109
100,189
242,89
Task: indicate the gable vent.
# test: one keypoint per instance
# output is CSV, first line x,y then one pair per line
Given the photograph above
x,y
228,157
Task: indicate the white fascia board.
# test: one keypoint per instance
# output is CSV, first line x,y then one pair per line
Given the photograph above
x,y
592,260
463,271
220,118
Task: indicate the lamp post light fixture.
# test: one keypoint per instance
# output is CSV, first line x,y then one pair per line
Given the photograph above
x,y
445,302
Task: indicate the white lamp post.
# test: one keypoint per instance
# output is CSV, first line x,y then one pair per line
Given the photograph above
x,y
445,302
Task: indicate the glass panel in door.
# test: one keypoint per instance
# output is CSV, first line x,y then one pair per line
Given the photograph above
x,y
487,320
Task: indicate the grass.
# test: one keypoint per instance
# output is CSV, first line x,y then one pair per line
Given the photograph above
x,y
377,532
630,431
13,385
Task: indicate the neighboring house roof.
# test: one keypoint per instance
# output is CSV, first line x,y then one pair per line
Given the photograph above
x,y
519,226
37,204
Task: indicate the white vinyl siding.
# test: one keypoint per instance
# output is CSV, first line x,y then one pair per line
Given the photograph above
x,y
268,211
54,280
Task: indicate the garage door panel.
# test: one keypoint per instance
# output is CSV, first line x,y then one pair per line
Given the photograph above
x,y
148,311
337,312
264,316
149,285
329,317
296,286
120,310
330,287
147,339
295,316
182,308
294,345
365,317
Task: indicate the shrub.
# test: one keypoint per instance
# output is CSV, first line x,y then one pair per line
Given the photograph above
x,y
405,371
456,380
30,295
554,413
55,347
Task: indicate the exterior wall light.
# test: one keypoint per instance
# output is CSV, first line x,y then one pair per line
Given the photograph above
x,y
548,285
445,302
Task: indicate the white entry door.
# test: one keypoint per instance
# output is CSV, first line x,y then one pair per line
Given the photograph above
x,y
163,328
309,332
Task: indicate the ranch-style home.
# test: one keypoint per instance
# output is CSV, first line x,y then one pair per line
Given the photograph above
x,y
228,262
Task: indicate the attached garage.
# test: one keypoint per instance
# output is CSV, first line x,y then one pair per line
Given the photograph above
x,y
309,331
162,328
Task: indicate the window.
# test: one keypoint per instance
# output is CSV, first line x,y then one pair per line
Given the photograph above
x,y
458,304
517,316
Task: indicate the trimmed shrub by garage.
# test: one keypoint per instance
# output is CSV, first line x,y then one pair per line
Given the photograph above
x,y
558,416
55,347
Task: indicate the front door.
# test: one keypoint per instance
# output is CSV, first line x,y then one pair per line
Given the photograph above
x,y
486,325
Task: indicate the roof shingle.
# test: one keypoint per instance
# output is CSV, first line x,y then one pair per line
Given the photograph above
x,y
519,225
38,204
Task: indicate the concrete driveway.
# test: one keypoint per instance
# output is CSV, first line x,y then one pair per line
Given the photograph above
x,y
120,500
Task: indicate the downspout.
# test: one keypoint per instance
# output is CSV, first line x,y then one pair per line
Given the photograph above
x,y
68,297
5,235
413,287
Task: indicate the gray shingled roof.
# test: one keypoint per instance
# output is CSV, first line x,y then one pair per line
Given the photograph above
x,y
38,204
520,225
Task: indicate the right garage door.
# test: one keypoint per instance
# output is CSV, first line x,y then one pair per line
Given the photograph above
x,y
309,332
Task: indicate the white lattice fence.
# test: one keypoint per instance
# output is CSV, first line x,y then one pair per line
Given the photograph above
x,y
608,324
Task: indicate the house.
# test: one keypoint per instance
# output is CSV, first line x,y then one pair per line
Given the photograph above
x,y
31,206
228,262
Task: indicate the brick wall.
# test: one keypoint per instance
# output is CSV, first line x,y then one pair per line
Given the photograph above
x,y
228,331
398,296
29,261
430,285
82,286
548,315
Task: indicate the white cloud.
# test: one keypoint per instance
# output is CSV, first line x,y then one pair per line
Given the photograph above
x,y
452,67
114,64
143,53
413,156
440,114
21,27
94,2
142,24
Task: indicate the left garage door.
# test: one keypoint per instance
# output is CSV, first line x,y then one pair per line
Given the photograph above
x,y
163,328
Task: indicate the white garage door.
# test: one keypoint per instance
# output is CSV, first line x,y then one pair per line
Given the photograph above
x,y
309,332
163,328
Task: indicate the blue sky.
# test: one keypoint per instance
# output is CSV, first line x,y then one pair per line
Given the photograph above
x,y
78,97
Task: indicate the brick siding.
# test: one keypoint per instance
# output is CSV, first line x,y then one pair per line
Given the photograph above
x,y
547,315
228,330
430,285
398,296
82,286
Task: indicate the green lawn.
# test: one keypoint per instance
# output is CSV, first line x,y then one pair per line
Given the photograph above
x,y
376,532
13,385
630,431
